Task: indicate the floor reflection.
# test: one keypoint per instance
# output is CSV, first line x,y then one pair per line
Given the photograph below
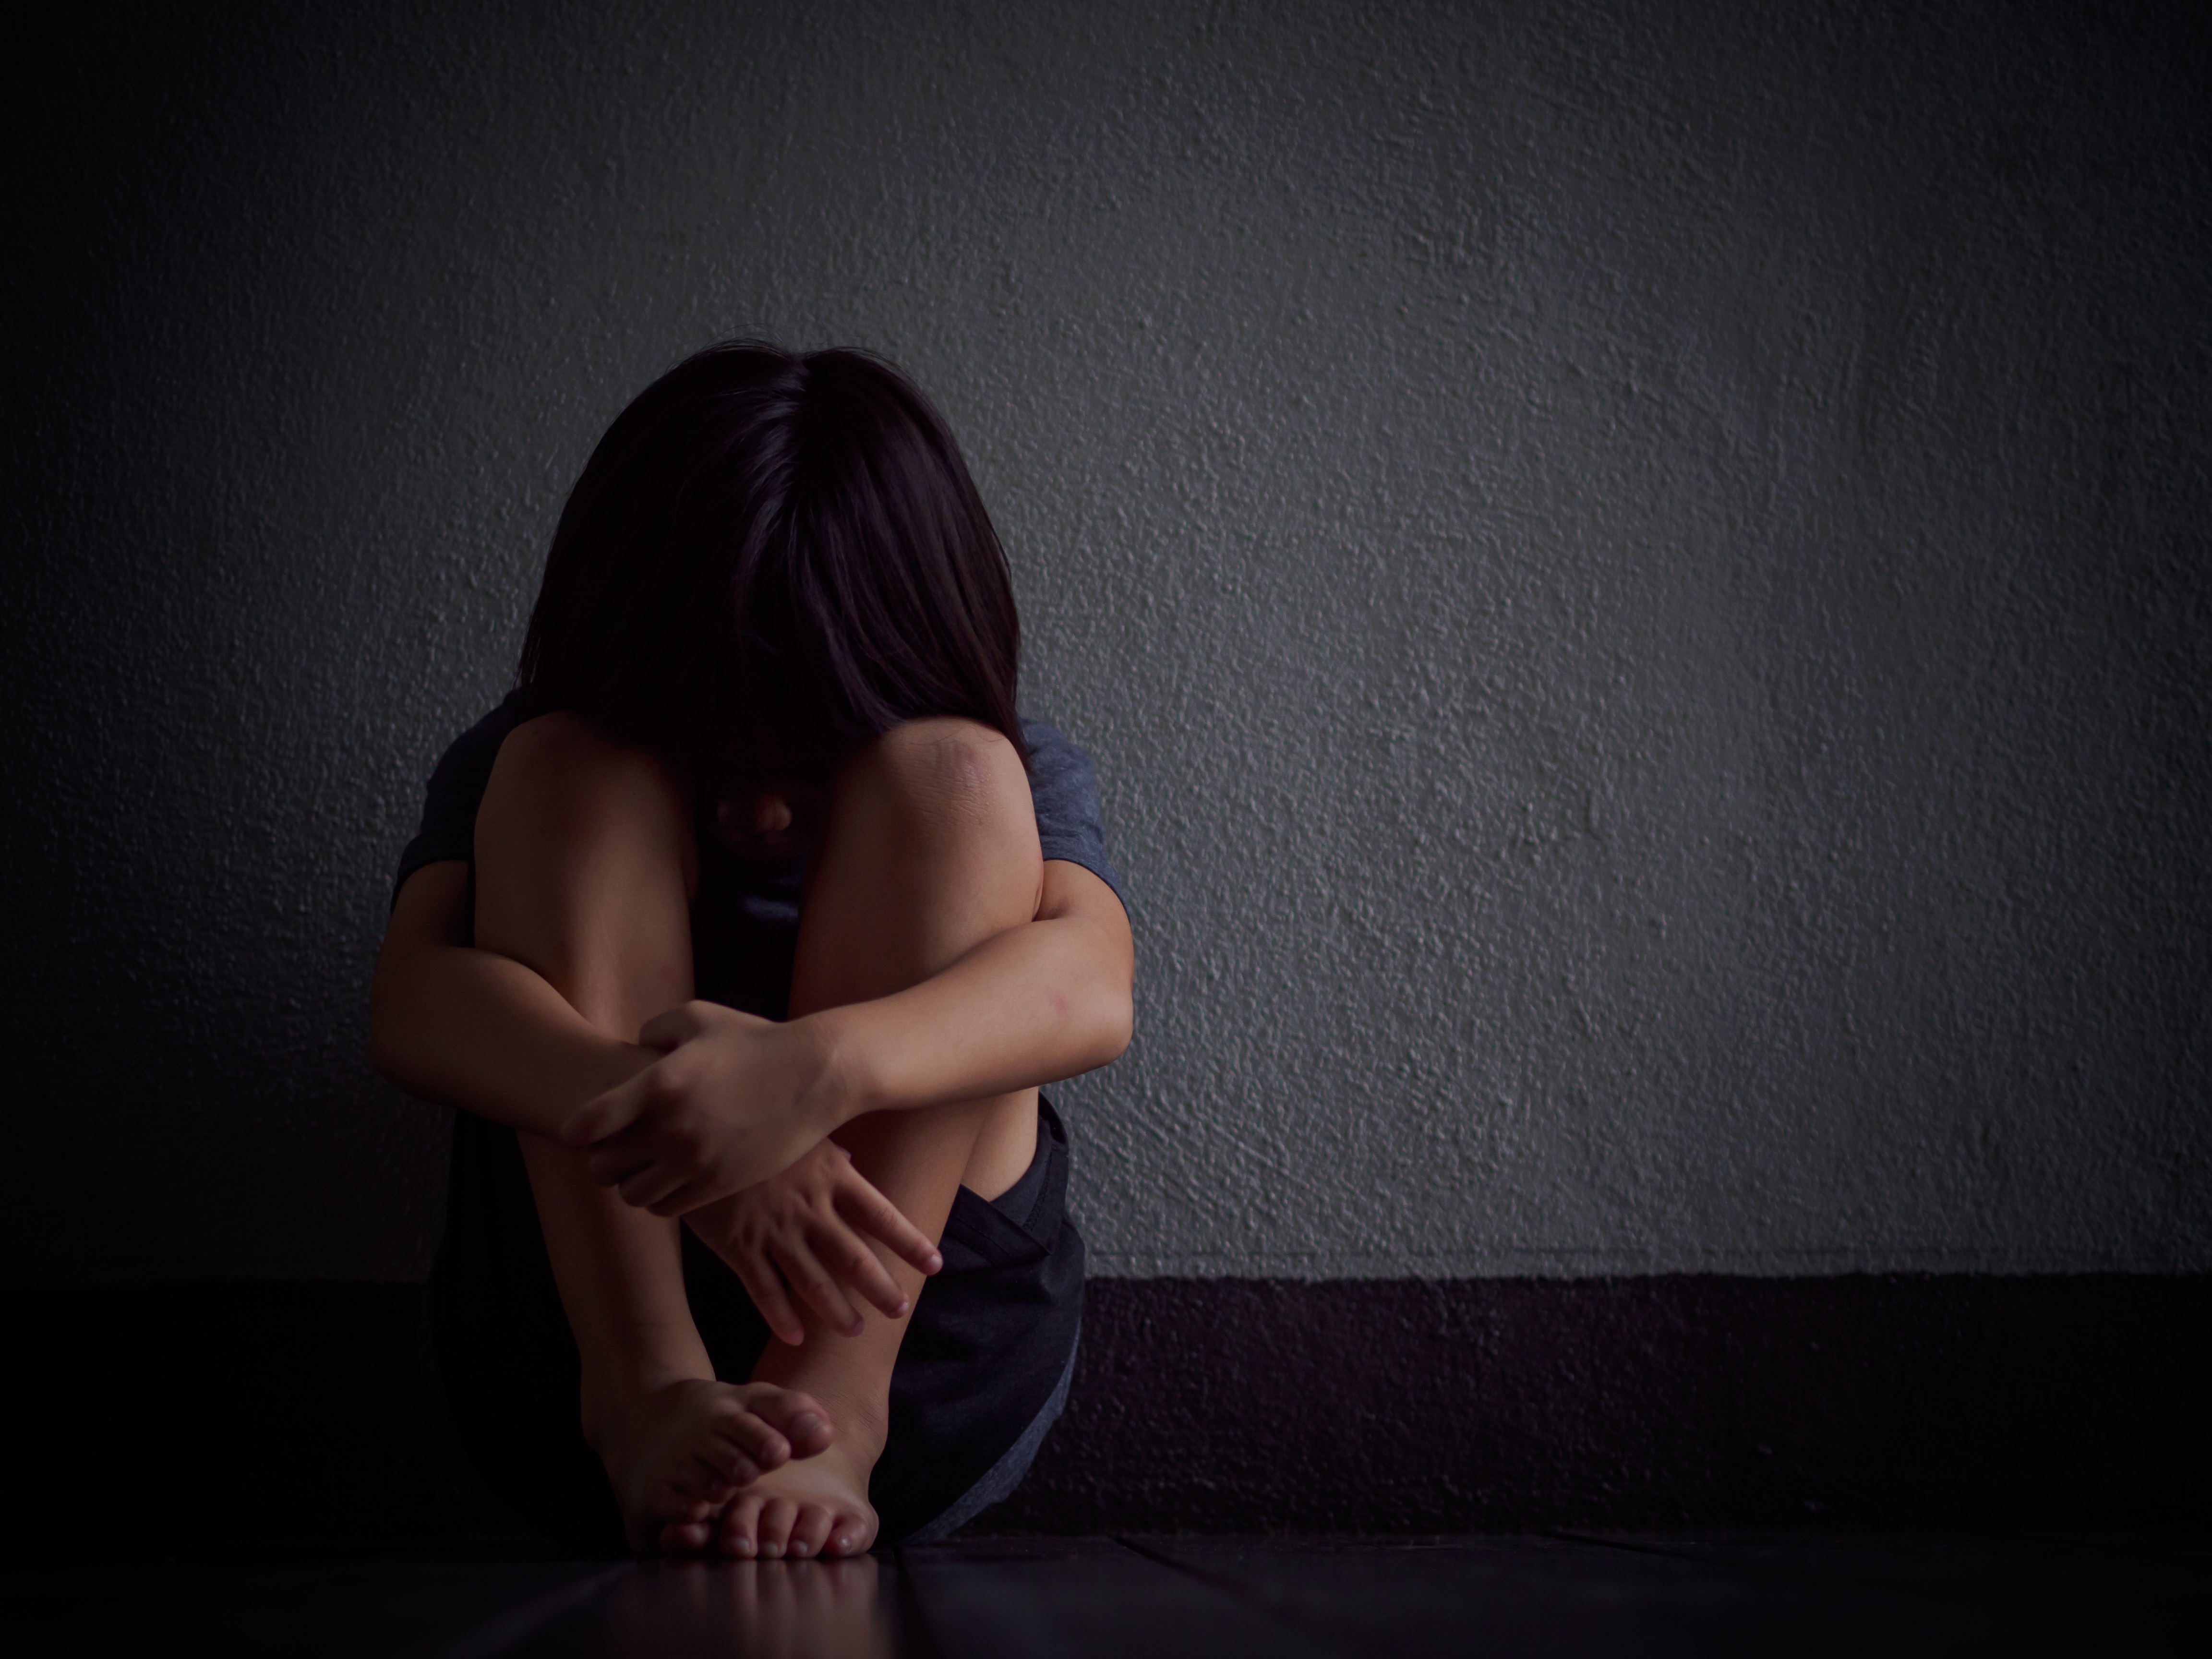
x,y
780,1609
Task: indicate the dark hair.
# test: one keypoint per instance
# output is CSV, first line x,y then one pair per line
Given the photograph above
x,y
769,560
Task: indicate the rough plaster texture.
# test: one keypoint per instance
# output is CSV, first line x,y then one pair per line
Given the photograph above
x,y
1636,574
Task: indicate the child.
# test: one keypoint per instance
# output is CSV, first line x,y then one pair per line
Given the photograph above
x,y
743,933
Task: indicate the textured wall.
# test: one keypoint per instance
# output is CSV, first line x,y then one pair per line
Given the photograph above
x,y
1637,575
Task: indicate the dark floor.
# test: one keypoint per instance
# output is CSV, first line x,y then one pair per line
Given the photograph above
x,y
1157,1596
1245,1406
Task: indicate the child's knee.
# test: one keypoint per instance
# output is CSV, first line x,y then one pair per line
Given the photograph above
x,y
952,788
569,794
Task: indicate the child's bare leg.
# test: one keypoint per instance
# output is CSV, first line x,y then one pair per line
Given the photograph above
x,y
582,854
931,847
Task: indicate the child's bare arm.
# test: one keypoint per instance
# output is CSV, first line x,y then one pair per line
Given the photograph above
x,y
473,1029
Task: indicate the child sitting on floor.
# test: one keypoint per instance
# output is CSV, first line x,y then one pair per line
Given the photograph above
x,y
744,932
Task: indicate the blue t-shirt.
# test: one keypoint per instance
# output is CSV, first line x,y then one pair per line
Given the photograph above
x,y
744,919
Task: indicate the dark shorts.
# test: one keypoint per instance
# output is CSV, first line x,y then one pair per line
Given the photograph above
x,y
980,1376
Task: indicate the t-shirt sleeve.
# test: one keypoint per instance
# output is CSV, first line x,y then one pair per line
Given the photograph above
x,y
448,829
1065,787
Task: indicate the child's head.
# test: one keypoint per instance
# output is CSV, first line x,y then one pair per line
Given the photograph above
x,y
771,559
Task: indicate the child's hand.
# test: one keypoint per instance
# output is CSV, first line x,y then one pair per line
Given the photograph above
x,y
735,1100
801,1231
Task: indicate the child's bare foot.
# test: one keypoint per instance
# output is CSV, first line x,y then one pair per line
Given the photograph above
x,y
677,1452
816,1507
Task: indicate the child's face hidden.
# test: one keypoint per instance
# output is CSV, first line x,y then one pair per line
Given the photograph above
x,y
777,822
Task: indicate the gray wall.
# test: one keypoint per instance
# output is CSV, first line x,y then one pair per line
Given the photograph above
x,y
1636,576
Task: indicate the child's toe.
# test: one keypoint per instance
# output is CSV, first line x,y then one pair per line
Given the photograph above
x,y
810,1532
798,1417
684,1537
740,1434
777,1516
739,1533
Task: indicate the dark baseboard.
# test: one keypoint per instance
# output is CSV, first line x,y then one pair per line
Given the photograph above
x,y
294,1414
1674,1401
